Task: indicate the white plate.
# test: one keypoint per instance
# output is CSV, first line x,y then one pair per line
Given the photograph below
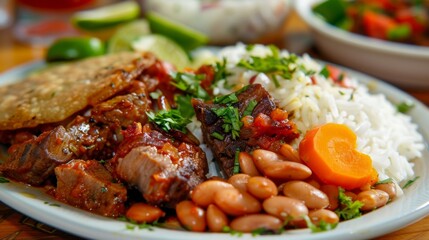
x,y
403,211
402,64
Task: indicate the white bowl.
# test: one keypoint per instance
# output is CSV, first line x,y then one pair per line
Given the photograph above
x,y
401,64
225,21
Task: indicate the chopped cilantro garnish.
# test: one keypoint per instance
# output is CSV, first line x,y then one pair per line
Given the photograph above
x,y
168,120
236,168
220,71
387,180
349,209
324,72
273,65
249,109
190,83
155,94
218,136
231,120
404,107
322,227
227,229
226,99
4,180
410,182
184,105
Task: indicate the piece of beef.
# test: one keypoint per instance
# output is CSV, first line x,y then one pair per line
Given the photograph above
x,y
88,185
164,170
251,136
34,161
95,136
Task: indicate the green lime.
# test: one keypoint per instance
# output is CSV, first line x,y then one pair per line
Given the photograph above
x,y
164,48
186,37
106,16
125,35
73,48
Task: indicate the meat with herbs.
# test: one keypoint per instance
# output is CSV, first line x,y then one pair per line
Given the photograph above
x,y
89,186
34,161
95,136
163,169
260,124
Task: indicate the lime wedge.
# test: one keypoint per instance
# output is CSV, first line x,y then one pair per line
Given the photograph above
x,y
186,37
106,16
164,48
73,48
126,34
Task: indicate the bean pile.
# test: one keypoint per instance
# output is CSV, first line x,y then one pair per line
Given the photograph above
x,y
274,191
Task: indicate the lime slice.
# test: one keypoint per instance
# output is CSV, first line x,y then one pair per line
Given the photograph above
x,y
186,37
73,48
106,16
164,48
126,34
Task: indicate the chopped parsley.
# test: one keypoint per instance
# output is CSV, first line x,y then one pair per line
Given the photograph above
x,y
236,168
325,72
227,229
168,120
226,99
249,109
349,209
273,65
410,182
322,227
404,107
231,120
218,136
184,105
387,180
190,83
220,71
4,180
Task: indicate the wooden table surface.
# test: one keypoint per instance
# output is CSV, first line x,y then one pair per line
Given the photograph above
x,y
14,225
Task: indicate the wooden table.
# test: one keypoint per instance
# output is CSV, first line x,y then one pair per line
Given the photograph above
x,y
14,225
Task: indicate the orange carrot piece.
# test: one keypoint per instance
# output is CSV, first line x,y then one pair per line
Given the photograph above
x,y
330,152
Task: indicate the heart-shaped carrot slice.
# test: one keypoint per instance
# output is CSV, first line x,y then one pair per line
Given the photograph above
x,y
330,152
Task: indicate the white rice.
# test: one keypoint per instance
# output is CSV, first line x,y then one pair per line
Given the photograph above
x,y
389,137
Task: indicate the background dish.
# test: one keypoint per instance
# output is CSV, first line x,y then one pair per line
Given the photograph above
x,y
401,64
401,212
225,21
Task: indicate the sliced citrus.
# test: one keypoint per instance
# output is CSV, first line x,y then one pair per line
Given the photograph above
x,y
125,35
73,48
164,48
186,37
106,16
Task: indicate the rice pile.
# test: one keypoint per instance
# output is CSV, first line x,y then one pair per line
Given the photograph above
x,y
389,137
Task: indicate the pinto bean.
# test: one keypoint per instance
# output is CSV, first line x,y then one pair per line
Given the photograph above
x,y
275,166
314,183
216,219
204,192
325,215
311,196
253,222
285,207
239,181
247,165
372,199
144,213
332,192
351,195
389,188
261,187
191,216
290,153
236,203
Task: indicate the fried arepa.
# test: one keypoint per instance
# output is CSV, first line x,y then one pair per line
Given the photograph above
x,y
58,92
